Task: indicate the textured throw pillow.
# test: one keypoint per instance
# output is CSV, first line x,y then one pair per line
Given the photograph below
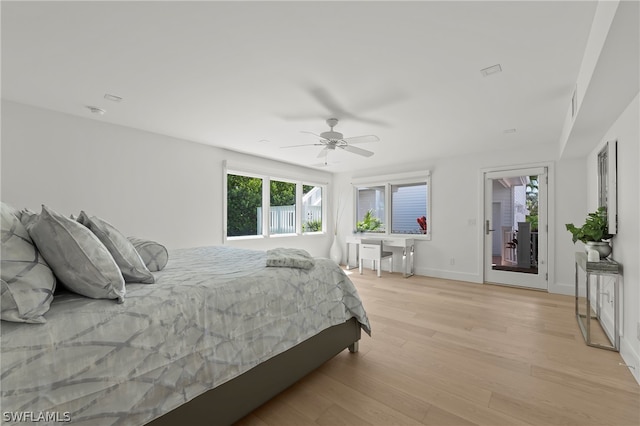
x,y
154,255
27,216
76,256
27,286
124,253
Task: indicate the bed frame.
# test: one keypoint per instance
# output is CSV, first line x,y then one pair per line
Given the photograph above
x,y
236,398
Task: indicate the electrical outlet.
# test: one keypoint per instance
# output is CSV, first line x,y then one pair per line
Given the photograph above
x,y
452,261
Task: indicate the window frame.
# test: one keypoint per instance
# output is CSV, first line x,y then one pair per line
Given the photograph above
x,y
387,181
266,204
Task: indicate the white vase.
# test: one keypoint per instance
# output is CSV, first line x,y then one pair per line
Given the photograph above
x,y
602,247
335,252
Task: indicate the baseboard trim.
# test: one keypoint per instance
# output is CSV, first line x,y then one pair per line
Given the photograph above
x,y
631,358
449,275
566,289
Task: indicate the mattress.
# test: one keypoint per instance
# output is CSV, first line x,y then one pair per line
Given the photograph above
x,y
213,313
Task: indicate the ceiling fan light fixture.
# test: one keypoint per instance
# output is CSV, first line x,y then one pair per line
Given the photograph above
x,y
331,140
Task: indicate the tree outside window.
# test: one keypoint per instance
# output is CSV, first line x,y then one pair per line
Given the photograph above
x,y
244,198
282,212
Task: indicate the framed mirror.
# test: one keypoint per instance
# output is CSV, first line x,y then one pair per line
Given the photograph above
x,y
607,183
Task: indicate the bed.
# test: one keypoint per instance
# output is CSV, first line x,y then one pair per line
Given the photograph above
x,y
217,335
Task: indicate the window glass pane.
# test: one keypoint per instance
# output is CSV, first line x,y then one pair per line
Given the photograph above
x,y
282,212
370,209
311,208
409,209
244,205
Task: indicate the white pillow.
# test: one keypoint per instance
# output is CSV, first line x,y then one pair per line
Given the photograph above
x,y
154,255
27,282
124,253
77,257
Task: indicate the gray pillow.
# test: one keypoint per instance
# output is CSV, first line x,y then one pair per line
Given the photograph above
x,y
27,216
154,255
27,281
124,253
76,256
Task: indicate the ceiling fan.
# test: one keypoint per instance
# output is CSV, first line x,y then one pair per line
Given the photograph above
x,y
332,140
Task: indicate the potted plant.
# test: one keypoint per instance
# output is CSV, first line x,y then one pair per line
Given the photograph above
x,y
369,223
594,232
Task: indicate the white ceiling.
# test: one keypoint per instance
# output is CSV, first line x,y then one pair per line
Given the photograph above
x,y
250,76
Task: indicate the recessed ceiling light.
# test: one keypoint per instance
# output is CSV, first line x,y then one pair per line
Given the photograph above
x,y
509,131
495,69
96,110
113,98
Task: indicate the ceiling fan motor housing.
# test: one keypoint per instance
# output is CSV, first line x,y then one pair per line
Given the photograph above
x,y
332,136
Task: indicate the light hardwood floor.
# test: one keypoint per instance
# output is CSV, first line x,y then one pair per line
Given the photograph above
x,y
452,353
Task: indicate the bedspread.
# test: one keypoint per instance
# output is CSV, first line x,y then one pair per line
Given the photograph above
x,y
214,313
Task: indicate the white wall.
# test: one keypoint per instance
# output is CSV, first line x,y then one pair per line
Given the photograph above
x,y
571,205
626,243
170,190
457,205
145,184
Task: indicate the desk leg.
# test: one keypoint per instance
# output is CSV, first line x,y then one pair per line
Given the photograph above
x,y
348,266
407,264
404,262
576,280
588,317
616,321
411,261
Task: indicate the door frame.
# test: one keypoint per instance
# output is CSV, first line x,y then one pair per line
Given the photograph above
x,y
551,217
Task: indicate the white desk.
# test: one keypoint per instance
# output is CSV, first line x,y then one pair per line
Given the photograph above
x,y
407,245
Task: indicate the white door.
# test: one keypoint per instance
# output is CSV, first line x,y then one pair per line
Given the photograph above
x,y
518,192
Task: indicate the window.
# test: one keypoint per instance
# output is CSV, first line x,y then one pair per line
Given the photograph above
x,y
402,200
282,211
409,208
262,206
244,202
311,208
370,209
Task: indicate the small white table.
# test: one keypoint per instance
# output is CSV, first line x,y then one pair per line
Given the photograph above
x,y
407,245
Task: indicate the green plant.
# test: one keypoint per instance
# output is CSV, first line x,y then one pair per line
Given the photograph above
x,y
312,225
595,227
368,223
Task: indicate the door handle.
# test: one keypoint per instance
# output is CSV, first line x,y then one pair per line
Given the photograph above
x,y
487,227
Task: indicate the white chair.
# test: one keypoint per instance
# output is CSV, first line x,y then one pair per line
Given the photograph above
x,y
372,250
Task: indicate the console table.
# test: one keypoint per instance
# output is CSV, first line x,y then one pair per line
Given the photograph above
x,y
598,269
407,245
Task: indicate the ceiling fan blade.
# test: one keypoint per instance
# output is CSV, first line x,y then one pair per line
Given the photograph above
x,y
362,139
304,144
356,150
325,99
323,152
316,135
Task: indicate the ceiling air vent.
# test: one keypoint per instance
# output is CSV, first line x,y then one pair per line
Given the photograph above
x,y
491,70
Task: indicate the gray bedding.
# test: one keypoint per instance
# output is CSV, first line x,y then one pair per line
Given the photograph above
x,y
214,313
